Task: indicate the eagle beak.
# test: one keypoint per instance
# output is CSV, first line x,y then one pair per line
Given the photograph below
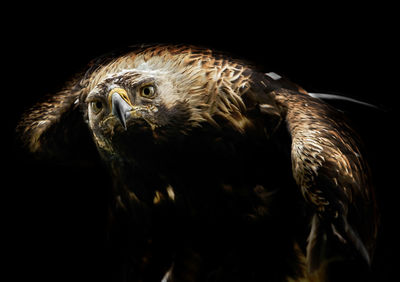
x,y
120,105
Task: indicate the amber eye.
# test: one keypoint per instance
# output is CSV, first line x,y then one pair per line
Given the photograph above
x,y
96,106
147,91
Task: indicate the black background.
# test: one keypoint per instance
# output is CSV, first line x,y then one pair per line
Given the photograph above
x,y
54,215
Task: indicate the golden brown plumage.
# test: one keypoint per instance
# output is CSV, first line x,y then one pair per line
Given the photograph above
x,y
160,115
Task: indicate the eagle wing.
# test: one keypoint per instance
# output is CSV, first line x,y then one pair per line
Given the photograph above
x,y
328,167
48,126
55,127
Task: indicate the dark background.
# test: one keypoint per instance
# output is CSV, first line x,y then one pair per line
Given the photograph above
x,y
55,215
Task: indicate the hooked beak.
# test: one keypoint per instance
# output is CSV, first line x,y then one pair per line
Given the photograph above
x,y
120,104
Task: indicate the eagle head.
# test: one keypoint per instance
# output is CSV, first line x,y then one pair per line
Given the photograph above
x,y
135,106
163,97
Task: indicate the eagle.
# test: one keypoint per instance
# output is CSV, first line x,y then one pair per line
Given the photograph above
x,y
220,171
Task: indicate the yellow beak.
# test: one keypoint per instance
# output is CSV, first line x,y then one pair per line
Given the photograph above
x,y
120,104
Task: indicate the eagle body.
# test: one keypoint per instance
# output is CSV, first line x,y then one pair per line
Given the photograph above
x,y
220,171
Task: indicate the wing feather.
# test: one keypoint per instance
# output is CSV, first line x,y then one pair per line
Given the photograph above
x,y
55,128
330,170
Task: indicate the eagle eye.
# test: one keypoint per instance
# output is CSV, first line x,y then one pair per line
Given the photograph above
x,y
96,106
147,91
